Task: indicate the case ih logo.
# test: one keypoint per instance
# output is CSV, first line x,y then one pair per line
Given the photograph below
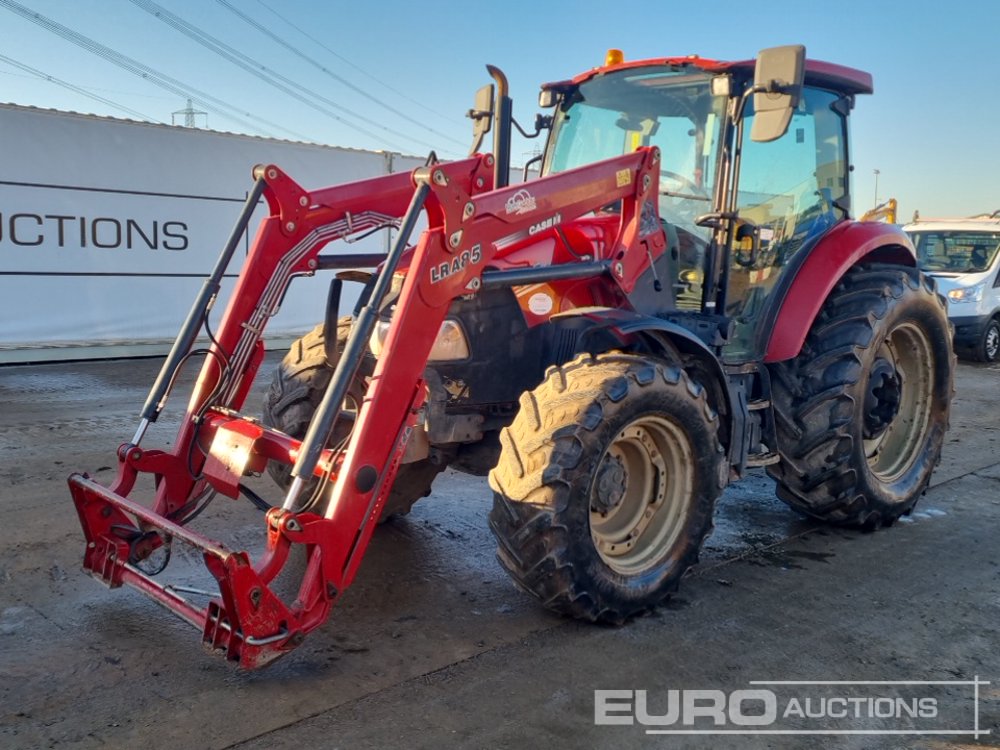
x,y
521,202
545,224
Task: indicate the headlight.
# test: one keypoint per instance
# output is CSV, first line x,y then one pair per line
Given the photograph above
x,y
450,343
967,293
377,338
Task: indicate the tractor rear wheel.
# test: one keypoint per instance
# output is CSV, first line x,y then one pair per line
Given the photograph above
x,y
606,485
862,411
294,394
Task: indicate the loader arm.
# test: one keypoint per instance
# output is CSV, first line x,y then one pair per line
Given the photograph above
x,y
216,446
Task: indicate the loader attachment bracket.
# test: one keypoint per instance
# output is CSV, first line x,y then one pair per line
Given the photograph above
x,y
246,620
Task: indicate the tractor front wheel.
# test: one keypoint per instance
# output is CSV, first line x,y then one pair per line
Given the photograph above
x,y
862,411
988,348
606,485
295,392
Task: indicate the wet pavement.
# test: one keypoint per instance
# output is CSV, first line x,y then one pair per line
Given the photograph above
x,y
433,646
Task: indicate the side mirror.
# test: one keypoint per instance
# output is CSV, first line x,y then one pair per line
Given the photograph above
x,y
482,116
777,85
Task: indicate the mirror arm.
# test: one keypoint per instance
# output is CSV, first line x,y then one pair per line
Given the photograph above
x,y
542,122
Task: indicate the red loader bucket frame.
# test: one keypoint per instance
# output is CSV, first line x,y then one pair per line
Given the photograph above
x,y
216,446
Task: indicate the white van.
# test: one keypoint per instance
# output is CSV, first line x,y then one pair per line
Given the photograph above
x,y
961,254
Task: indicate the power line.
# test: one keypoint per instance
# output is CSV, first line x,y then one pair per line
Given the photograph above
x,y
262,72
272,78
146,73
340,57
297,52
77,89
147,95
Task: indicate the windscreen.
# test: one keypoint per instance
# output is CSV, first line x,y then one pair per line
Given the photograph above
x,y
955,252
670,107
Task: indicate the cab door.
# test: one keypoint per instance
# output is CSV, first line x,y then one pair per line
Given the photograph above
x,y
790,192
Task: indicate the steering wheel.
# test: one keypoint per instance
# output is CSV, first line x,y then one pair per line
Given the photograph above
x,y
685,183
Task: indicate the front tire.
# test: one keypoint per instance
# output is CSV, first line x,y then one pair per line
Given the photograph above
x,y
606,485
861,413
295,392
988,349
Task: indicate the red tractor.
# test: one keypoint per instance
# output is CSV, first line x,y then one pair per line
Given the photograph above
x,y
679,297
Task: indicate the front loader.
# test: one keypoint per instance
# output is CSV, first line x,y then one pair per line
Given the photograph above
x,y
680,297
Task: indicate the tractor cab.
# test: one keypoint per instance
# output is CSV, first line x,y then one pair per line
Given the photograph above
x,y
754,167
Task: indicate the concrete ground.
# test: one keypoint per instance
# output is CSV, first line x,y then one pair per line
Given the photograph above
x,y
433,646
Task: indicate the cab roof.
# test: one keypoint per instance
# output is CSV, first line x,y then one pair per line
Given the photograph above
x,y
818,73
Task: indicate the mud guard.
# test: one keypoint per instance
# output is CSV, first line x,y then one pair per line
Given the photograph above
x,y
846,245
600,328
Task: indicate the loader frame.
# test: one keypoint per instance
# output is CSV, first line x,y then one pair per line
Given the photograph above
x,y
217,446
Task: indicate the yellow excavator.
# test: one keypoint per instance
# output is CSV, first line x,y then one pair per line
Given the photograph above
x,y
884,212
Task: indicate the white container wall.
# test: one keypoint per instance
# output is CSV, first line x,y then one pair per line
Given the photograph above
x,y
108,227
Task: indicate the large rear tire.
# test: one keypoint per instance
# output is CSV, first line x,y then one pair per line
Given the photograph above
x,y
606,485
294,394
862,412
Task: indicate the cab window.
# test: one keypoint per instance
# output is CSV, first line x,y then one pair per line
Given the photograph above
x,y
793,190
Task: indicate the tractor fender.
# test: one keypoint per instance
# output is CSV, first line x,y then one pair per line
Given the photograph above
x,y
844,246
600,328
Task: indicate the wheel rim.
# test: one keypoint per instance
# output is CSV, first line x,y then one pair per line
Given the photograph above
x,y
992,344
897,426
640,496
